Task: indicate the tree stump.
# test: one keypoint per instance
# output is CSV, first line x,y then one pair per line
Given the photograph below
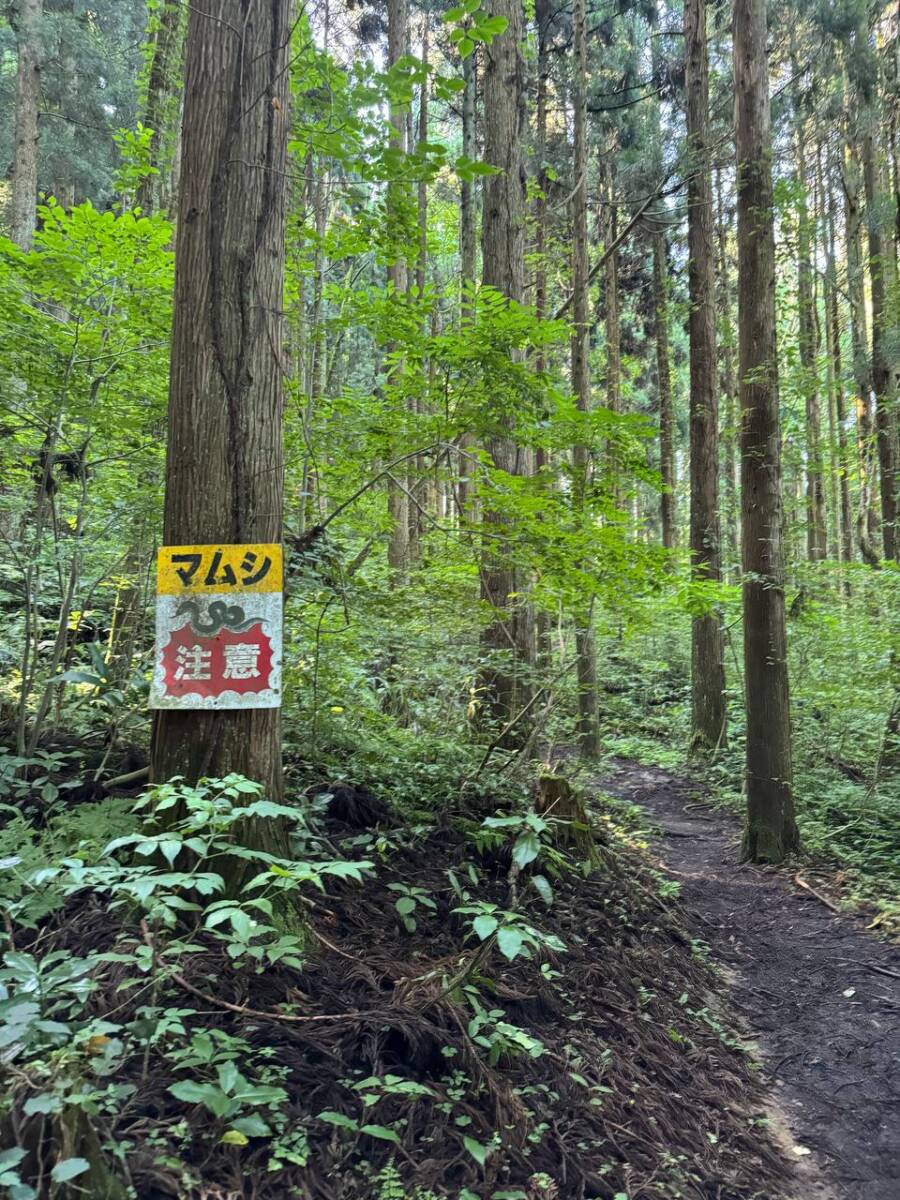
x,y
556,800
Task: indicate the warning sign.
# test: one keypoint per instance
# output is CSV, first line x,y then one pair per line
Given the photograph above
x,y
218,627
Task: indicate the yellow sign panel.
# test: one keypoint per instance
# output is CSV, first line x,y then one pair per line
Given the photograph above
x,y
202,570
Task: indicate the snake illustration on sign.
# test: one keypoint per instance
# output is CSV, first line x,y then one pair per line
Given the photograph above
x,y
218,627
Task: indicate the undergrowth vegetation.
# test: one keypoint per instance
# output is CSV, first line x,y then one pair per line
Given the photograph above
x,y
509,1026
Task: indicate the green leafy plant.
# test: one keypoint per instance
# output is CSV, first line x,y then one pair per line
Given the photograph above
x,y
409,899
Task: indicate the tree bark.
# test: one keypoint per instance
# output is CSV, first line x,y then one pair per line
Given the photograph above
x,y
543,16
24,182
866,520
771,831
398,501
509,636
224,458
728,432
833,341
163,85
468,250
588,705
609,224
667,503
816,543
882,373
707,646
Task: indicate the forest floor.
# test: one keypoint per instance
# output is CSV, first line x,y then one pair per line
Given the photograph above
x,y
820,995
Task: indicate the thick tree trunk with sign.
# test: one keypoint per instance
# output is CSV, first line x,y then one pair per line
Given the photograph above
x,y
224,461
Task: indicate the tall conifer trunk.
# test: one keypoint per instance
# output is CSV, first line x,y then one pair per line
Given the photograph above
x,y
24,182
833,334
866,520
156,191
224,455
771,831
728,425
611,310
468,250
882,384
667,503
398,501
815,492
707,653
510,635
588,709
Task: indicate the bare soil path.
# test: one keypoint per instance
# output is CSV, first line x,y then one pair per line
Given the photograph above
x,y
820,994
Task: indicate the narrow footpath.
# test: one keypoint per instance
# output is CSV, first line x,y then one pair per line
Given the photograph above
x,y
819,994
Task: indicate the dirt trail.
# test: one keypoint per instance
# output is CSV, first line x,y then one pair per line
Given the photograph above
x,y
832,1055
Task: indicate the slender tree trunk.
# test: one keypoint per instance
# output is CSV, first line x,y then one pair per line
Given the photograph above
x,y
816,544
882,382
398,501
64,185
417,478
544,648
509,636
833,329
866,521
728,433
468,249
24,182
667,505
160,105
771,831
708,652
224,458
611,315
588,705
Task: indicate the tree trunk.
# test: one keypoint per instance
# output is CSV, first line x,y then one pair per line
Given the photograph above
x,y
468,250
728,433
224,458
833,331
398,501
160,108
667,505
509,636
63,186
866,521
24,182
707,645
417,477
816,546
588,705
771,831
885,416
611,315
543,14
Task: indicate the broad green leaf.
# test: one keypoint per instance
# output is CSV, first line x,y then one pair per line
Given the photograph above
x,y
336,1118
380,1131
477,1150
69,1168
526,848
485,925
510,940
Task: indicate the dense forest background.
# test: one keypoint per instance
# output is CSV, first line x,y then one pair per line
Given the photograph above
x,y
527,517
